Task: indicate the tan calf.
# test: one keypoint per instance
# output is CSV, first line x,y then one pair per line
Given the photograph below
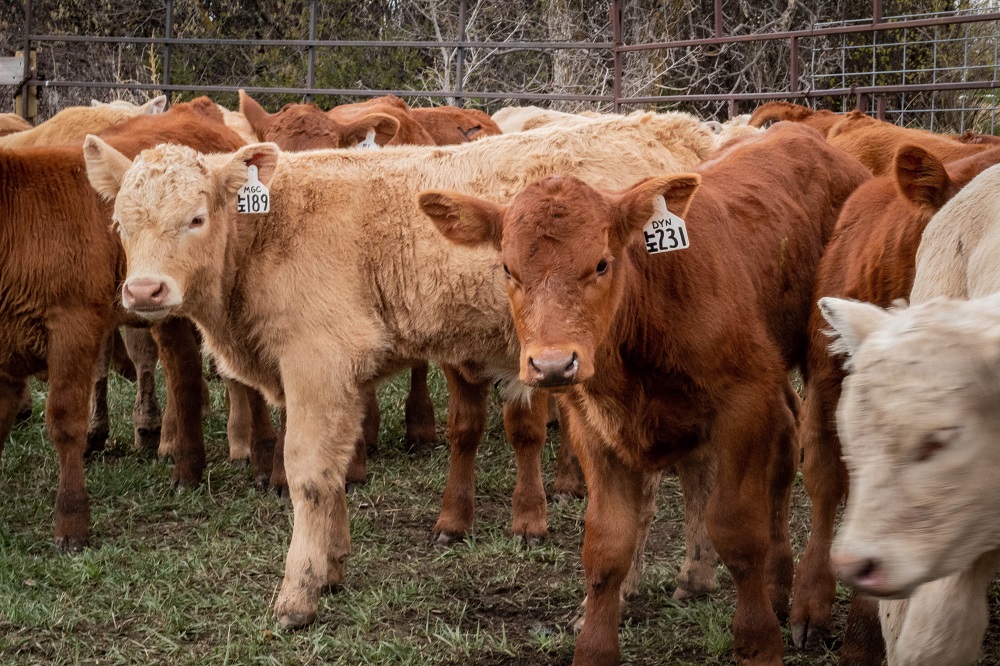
x,y
259,288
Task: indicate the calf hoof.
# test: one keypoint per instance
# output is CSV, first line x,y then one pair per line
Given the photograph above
x,y
445,538
280,489
68,544
24,414
532,541
240,463
293,621
420,436
684,593
96,442
185,478
807,635
147,439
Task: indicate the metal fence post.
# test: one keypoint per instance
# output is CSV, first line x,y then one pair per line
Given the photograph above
x,y
616,37
793,64
311,71
27,58
169,32
460,55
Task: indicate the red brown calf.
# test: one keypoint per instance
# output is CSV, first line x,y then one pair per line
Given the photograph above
x,y
667,356
62,265
449,125
820,120
871,257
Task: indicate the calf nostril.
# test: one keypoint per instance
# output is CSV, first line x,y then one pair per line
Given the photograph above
x,y
572,366
531,364
867,568
160,293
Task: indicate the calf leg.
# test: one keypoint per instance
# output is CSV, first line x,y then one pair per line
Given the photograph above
x,y
239,428
279,480
740,519
120,361
467,401
525,426
863,643
612,533
146,414
181,358
357,471
97,429
263,440
11,391
419,410
697,575
74,346
825,479
24,405
322,430
780,561
569,477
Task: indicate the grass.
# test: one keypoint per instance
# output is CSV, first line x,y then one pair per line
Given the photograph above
x,y
189,577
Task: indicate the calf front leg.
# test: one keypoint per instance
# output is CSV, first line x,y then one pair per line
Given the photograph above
x,y
322,429
612,533
146,417
697,575
181,358
97,428
74,346
467,398
569,477
740,513
825,478
525,425
419,410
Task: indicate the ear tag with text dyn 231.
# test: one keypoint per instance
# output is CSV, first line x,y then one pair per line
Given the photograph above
x,y
665,231
254,196
369,142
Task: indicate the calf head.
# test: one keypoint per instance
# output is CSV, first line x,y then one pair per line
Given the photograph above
x,y
919,425
175,212
563,251
306,127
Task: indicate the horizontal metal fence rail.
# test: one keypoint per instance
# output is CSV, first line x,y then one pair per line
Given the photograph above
x,y
616,48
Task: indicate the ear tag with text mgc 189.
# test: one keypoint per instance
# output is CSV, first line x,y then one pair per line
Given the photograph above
x,y
369,142
254,196
665,231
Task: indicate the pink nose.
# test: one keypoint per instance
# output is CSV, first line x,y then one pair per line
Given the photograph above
x,y
145,294
864,573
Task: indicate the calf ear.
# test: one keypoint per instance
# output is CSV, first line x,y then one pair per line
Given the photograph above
x,y
462,219
253,112
852,322
154,106
264,156
106,166
635,205
921,177
385,128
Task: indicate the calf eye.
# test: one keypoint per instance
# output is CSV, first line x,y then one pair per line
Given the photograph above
x,y
196,222
602,267
506,271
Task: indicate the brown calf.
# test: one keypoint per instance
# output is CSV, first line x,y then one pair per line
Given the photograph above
x,y
410,133
671,356
874,142
820,120
450,125
62,266
871,257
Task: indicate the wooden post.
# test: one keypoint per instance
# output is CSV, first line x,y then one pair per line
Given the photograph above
x,y
27,107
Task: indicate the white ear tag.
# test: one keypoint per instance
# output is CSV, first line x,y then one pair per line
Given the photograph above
x,y
665,231
253,197
369,142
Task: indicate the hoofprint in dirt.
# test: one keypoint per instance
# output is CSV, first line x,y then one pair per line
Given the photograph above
x,y
188,577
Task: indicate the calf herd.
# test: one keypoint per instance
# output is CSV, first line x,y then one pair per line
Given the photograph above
x,y
660,277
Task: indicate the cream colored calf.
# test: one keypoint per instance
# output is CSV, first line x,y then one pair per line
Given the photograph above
x,y
345,281
74,123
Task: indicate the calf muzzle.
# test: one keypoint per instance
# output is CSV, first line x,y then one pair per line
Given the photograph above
x,y
145,294
553,368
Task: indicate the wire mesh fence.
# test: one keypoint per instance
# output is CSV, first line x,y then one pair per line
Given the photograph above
x,y
924,63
